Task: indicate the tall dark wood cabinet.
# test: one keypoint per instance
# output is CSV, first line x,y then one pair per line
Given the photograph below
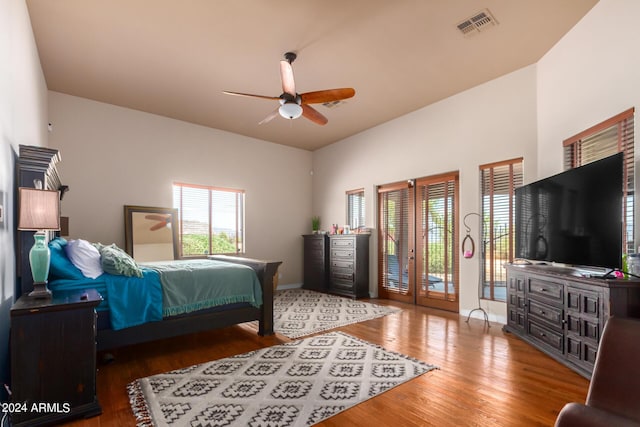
x,y
563,314
53,358
316,261
349,265
33,163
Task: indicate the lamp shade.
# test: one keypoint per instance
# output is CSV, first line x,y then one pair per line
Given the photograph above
x,y
290,110
38,209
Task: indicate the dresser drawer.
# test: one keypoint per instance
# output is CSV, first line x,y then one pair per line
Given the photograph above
x,y
344,285
343,243
315,244
338,253
547,313
315,254
552,292
546,336
337,264
342,273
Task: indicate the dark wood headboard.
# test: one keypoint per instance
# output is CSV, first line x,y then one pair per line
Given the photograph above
x,y
33,163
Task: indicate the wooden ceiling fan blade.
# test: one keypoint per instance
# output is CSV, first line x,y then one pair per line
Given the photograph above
x,y
286,76
270,117
329,95
158,226
314,115
157,217
250,95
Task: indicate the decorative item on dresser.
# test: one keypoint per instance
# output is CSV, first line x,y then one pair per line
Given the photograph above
x,y
316,259
53,358
562,313
349,265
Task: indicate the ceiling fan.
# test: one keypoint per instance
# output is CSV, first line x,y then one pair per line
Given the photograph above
x,y
293,104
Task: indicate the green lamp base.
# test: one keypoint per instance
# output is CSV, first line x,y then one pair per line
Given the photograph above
x,y
40,290
39,257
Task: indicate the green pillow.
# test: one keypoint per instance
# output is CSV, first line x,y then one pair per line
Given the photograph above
x,y
116,261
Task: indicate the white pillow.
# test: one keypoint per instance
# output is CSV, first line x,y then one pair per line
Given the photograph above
x,y
85,256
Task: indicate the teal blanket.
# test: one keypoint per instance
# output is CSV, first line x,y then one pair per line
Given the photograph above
x,y
190,285
131,301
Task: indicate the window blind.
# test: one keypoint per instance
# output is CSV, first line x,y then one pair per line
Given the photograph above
x,y
435,249
211,219
612,136
355,208
498,183
395,222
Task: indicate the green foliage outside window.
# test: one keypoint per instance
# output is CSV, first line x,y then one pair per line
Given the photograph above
x,y
198,244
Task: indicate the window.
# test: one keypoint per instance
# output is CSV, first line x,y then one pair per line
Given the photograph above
x,y
498,184
612,136
211,219
355,208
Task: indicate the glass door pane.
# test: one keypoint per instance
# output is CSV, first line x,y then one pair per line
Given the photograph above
x,y
436,254
396,242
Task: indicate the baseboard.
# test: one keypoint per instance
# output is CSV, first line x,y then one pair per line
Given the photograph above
x,y
289,286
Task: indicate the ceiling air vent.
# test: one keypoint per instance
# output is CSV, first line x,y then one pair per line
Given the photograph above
x,y
480,21
334,104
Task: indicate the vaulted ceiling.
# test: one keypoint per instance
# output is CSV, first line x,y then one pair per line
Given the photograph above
x,y
175,58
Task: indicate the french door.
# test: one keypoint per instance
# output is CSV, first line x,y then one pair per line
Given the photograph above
x,y
417,256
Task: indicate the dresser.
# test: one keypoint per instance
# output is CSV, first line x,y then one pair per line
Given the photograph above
x,y
53,358
316,262
563,314
349,265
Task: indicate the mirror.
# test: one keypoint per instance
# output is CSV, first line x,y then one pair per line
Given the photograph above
x,y
151,234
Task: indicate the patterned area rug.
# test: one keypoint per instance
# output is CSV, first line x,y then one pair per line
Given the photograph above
x,y
300,312
294,384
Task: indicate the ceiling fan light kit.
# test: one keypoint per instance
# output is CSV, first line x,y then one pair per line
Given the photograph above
x,y
290,110
294,105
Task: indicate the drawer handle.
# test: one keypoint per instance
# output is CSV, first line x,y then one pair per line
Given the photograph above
x,y
543,289
542,312
542,334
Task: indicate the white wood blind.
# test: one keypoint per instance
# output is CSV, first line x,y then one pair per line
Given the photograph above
x,y
612,136
211,219
498,183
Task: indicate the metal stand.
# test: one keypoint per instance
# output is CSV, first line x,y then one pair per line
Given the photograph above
x,y
469,254
486,316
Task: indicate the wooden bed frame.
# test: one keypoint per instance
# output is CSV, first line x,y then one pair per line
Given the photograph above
x,y
40,163
204,319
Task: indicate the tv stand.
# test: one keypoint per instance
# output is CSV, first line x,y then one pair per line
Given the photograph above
x,y
562,313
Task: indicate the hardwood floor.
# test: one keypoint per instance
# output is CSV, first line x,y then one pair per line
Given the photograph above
x,y
485,378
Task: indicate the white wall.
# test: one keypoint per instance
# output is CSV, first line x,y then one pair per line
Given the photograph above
x,y
588,77
23,111
113,156
489,123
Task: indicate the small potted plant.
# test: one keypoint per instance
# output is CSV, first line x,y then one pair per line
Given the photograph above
x,y
315,224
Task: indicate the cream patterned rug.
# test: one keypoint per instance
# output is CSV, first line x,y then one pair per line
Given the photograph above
x,y
300,312
294,384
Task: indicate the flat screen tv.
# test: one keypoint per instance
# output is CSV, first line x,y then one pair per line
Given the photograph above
x,y
574,217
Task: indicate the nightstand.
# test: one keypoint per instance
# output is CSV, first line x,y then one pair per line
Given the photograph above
x,y
53,358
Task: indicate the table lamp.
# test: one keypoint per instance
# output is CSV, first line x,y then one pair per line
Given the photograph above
x,y
39,210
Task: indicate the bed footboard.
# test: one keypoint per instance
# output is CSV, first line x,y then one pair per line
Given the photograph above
x,y
266,271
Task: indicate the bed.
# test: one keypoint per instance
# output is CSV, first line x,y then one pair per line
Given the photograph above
x,y
168,298
38,163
